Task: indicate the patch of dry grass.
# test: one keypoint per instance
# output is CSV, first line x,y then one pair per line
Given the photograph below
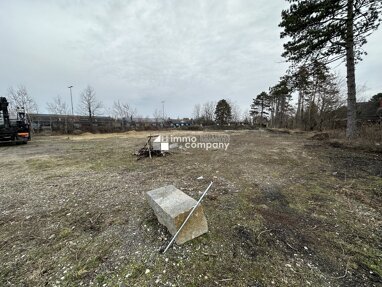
x,y
283,211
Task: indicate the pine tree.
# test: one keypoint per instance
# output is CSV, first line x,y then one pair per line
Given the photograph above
x,y
301,83
223,112
280,96
377,99
329,30
318,94
260,106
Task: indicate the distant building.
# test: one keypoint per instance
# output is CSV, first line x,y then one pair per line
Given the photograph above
x,y
158,123
60,123
67,123
180,122
147,122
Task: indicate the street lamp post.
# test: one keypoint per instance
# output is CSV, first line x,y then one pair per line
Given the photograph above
x,y
71,98
163,111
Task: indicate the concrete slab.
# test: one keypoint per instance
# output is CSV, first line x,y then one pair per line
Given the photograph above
x,y
171,206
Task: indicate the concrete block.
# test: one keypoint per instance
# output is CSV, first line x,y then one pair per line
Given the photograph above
x,y
171,206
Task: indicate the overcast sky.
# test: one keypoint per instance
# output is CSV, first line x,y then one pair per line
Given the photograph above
x,y
142,52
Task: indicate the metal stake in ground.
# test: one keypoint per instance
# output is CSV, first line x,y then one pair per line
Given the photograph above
x,y
188,217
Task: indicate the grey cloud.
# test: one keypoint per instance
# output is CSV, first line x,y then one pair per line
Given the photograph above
x,y
140,51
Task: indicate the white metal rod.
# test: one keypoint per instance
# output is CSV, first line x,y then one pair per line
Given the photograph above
x,y
187,218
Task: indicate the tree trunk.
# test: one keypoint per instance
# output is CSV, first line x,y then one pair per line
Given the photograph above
x,y
282,108
302,120
262,112
351,127
90,114
272,109
298,115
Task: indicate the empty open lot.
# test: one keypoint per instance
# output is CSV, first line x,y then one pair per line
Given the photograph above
x,y
283,211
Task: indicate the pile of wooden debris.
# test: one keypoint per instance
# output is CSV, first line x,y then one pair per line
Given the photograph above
x,y
150,149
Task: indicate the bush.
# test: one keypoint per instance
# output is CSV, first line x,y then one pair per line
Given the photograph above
x,y
191,128
371,133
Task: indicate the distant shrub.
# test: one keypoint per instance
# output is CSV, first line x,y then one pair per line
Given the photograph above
x,y
371,133
191,128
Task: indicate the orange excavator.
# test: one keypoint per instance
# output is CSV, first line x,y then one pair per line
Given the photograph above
x,y
13,130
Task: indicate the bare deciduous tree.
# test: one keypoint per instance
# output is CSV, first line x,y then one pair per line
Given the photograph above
x,y
246,117
157,116
133,113
89,105
208,112
19,98
196,114
121,110
235,112
58,106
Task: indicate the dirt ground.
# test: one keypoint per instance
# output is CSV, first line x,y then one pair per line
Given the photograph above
x,y
283,211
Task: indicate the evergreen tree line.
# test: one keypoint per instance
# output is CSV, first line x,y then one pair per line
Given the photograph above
x,y
319,100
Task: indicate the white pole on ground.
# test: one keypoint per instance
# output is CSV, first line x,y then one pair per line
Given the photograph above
x,y
188,217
